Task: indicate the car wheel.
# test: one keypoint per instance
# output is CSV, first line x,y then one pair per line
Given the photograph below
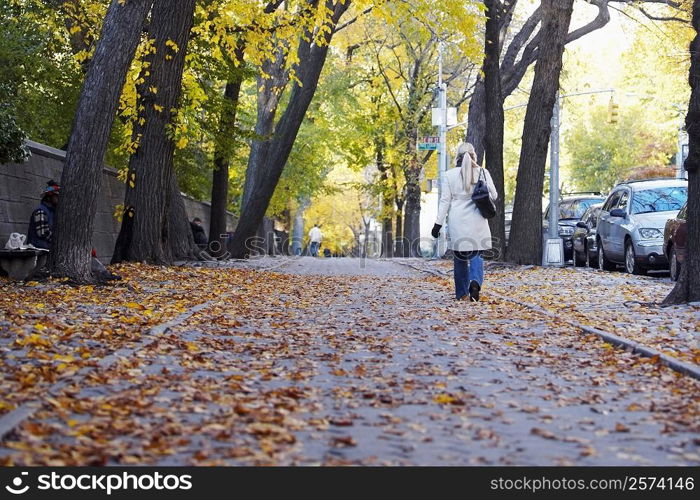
x,y
631,265
674,265
603,263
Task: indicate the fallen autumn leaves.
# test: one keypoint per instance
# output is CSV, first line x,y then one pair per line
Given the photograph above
x,y
281,369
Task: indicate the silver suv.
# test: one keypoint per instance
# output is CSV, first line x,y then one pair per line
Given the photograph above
x,y
631,224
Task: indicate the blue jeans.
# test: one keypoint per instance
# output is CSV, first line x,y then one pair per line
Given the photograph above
x,y
469,266
314,248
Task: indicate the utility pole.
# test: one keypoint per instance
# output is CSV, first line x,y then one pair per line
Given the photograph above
x,y
442,148
554,246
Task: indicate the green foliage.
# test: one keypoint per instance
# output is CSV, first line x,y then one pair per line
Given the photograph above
x,y
603,154
40,81
328,137
12,139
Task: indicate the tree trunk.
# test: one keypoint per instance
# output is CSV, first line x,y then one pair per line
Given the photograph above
x,y
412,170
298,231
387,205
476,118
267,163
411,231
687,288
525,243
219,185
273,79
152,163
512,70
264,238
82,171
494,120
178,238
387,238
400,242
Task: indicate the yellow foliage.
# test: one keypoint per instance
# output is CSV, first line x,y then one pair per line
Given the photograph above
x,y
172,45
118,213
337,210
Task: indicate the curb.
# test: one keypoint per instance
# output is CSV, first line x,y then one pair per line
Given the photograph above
x,y
674,364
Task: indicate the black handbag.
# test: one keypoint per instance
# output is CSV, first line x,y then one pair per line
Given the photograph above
x,y
482,198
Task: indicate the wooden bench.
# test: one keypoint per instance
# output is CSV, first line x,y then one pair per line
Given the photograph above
x,y
22,264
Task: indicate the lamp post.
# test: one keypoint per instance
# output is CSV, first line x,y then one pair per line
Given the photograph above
x,y
553,253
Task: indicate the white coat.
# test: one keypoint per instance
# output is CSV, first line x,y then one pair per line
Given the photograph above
x,y
468,230
315,235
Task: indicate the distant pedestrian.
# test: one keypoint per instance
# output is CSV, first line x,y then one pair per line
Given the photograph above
x,y
200,237
315,239
40,233
469,230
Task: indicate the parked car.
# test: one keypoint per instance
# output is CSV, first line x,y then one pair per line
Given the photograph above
x,y
571,209
676,241
584,241
631,225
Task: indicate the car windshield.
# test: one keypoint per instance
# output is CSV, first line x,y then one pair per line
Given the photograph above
x,y
661,199
591,215
576,209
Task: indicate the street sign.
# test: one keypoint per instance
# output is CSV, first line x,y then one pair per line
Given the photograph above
x,y
438,117
428,143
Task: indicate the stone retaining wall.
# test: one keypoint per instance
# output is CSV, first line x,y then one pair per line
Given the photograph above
x,y
21,186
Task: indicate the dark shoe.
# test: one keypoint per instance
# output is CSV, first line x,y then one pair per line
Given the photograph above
x,y
474,289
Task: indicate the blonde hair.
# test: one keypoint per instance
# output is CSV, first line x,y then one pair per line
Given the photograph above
x,y
466,158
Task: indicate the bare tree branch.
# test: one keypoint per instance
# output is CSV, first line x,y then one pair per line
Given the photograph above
x,y
512,72
388,86
354,19
661,18
521,38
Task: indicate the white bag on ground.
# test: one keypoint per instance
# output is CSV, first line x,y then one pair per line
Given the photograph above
x,y
16,242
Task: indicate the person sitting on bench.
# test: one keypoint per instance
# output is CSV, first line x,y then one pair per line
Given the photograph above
x,y
41,220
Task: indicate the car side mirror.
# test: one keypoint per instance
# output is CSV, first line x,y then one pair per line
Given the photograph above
x,y
582,224
618,212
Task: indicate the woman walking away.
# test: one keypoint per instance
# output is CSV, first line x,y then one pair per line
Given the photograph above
x,y
469,230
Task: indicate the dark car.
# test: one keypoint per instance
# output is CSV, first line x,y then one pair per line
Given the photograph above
x,y
585,249
676,241
571,209
631,224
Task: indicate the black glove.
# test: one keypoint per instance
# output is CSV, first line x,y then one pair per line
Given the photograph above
x,y
436,230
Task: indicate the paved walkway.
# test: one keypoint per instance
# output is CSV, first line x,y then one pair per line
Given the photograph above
x,y
322,266
616,302
342,362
